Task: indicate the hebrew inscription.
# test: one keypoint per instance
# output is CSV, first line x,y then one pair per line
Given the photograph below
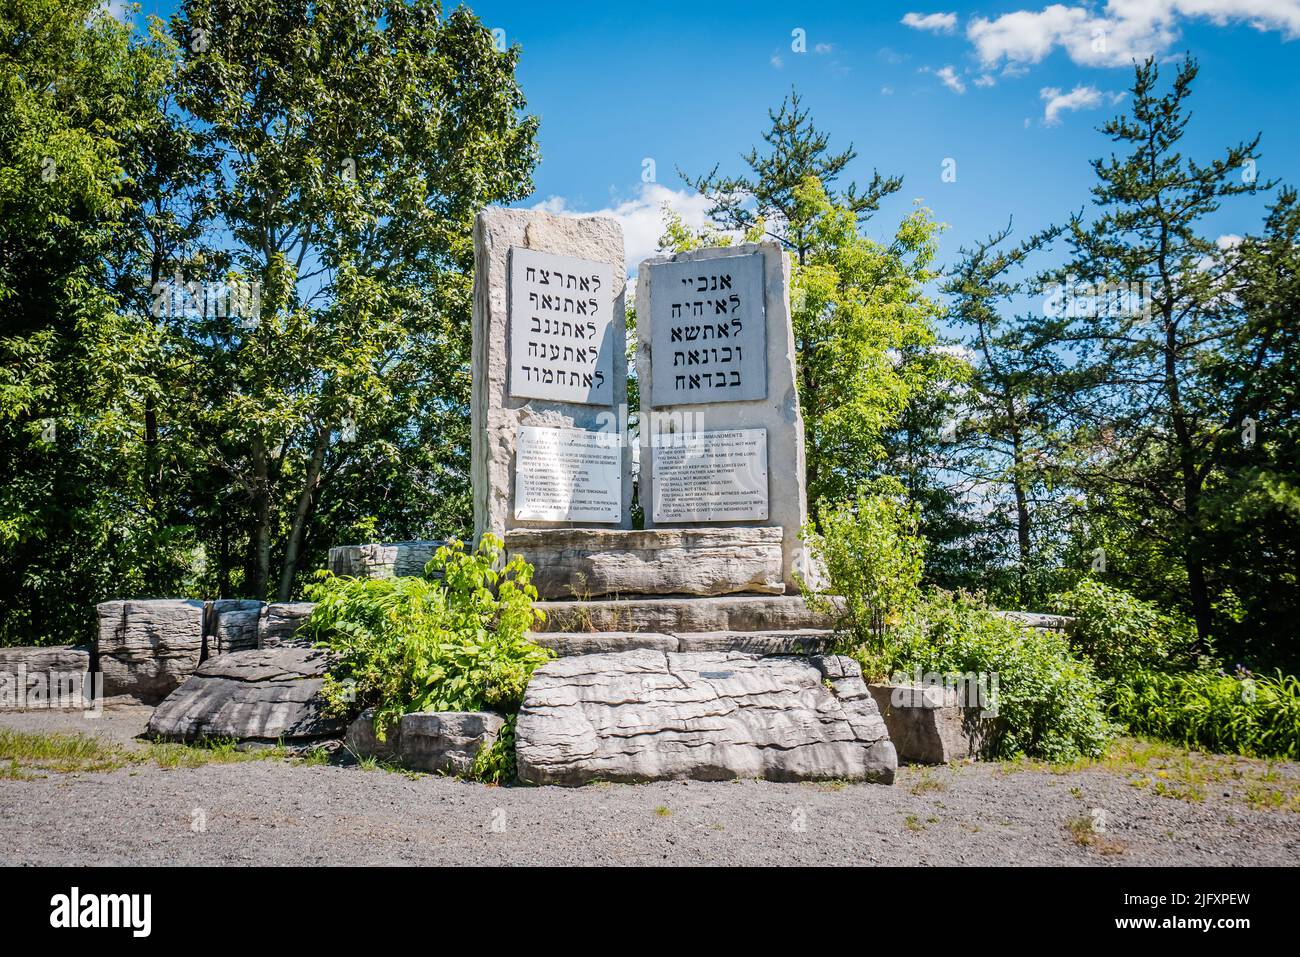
x,y
561,310
709,330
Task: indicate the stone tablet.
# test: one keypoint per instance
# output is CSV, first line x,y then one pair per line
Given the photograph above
x,y
709,330
568,475
711,476
561,340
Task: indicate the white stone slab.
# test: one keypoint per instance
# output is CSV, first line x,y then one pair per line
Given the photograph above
x,y
568,475
711,476
561,339
709,330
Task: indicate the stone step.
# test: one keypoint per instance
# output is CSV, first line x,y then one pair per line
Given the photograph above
x,y
802,641
680,615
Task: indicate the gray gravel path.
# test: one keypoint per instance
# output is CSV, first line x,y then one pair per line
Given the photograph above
x,y
279,812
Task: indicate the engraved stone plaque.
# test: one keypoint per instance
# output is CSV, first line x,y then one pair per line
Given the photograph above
x,y
568,475
561,339
709,330
710,476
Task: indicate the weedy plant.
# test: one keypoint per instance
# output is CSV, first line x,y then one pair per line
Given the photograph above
x,y
453,640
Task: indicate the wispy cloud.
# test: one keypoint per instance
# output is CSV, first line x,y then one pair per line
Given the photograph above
x,y
948,76
1123,31
935,22
1080,98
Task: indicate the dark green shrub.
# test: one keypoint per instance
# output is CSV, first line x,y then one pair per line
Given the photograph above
x,y
1048,702
1121,634
414,644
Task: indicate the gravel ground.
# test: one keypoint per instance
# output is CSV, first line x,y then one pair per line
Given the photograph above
x,y
281,812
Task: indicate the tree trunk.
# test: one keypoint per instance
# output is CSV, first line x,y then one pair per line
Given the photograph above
x,y
301,515
261,537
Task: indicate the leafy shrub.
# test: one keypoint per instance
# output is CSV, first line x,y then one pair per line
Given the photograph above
x,y
416,644
1242,713
1121,634
874,556
1048,703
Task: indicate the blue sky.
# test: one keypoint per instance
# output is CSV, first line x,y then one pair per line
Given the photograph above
x,y
1012,92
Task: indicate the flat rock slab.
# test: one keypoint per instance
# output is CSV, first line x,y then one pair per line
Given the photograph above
x,y
673,616
650,715
588,562
262,695
763,643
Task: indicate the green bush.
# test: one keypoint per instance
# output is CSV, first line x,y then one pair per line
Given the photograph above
x,y
1120,634
1048,703
873,554
419,644
1236,714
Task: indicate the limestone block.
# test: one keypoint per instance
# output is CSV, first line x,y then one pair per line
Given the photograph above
x,y
931,724
651,715
232,625
279,622
382,560
587,562
260,695
147,648
681,615
446,742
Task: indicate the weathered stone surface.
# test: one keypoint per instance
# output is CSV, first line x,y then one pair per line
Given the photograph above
x,y
587,562
62,658
54,676
446,742
799,641
650,715
147,648
260,695
363,742
495,414
279,622
1039,620
778,412
382,560
680,615
929,725
232,625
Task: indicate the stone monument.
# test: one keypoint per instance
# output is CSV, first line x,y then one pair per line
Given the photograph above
x,y
722,441
549,373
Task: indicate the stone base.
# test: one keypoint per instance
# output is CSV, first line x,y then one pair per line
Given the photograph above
x,y
591,562
147,648
652,715
929,725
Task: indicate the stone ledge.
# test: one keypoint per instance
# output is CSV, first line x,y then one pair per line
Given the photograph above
x,y
592,562
678,615
764,643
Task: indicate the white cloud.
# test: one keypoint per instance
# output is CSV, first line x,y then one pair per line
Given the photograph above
x,y
642,217
823,48
886,90
1080,98
1228,241
950,79
776,61
985,79
1123,31
937,22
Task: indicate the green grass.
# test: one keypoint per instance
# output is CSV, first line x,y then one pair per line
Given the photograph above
x,y
25,756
